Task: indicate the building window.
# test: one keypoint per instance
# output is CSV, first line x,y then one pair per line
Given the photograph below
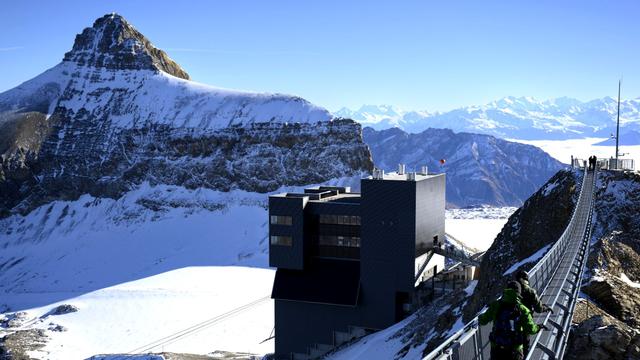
x,y
281,240
340,219
281,220
346,241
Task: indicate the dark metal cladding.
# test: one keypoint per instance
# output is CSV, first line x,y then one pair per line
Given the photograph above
x,y
347,260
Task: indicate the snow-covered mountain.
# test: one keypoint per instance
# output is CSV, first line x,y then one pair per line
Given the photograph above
x,y
117,112
481,169
122,181
511,117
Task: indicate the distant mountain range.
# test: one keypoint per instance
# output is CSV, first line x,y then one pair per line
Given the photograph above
x,y
511,117
481,169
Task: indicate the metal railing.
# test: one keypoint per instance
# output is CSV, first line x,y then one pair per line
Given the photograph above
x,y
556,277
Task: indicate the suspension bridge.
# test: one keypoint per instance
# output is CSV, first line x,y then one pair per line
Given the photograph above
x,y
556,277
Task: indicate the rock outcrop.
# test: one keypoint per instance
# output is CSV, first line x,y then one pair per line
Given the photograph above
x,y
613,279
599,335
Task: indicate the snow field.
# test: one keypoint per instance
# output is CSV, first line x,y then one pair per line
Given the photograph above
x,y
130,316
160,262
477,227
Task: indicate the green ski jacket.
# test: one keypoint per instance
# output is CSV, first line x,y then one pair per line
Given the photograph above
x,y
509,296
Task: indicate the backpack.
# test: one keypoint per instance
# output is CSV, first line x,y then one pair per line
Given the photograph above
x,y
506,331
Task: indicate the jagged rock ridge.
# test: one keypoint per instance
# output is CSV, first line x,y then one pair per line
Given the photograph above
x,y
112,43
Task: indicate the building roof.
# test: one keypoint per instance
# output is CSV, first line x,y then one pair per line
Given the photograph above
x,y
324,194
394,175
325,281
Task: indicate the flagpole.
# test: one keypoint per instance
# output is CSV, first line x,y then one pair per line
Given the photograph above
x,y
618,124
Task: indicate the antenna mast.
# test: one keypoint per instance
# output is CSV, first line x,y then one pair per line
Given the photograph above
x,y
618,124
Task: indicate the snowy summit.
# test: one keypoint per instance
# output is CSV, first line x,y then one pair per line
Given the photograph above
x,y
145,87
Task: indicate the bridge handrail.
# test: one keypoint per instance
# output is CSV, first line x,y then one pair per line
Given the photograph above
x,y
472,326
560,345
554,251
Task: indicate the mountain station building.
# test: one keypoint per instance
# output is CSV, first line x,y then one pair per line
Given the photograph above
x,y
346,262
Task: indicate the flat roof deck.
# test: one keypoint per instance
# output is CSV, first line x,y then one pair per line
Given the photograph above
x,y
404,177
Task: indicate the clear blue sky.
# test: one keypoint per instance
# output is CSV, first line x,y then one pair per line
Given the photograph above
x,y
433,55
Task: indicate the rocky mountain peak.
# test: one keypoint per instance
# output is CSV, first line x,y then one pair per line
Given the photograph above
x,y
113,43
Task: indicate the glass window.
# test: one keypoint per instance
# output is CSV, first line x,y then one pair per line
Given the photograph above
x,y
345,241
339,219
281,240
281,220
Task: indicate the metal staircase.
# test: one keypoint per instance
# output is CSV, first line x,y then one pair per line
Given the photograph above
x,y
340,338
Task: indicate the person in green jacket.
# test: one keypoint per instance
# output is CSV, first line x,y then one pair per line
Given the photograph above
x,y
531,300
511,321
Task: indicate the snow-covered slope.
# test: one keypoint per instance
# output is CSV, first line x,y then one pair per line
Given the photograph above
x,y
189,310
92,243
157,261
511,117
480,169
137,98
154,262
145,266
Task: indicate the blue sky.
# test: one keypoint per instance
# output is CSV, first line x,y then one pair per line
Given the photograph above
x,y
433,55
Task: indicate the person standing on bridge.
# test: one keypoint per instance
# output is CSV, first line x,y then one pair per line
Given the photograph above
x,y
511,321
530,299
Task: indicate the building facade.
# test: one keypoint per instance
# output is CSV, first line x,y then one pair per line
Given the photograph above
x,y
346,261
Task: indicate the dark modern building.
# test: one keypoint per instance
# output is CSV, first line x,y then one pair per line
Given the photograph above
x,y
346,261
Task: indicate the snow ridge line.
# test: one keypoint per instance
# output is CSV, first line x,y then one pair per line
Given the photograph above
x,y
196,328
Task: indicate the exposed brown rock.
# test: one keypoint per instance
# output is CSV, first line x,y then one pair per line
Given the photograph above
x,y
112,43
617,249
617,298
600,336
18,344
